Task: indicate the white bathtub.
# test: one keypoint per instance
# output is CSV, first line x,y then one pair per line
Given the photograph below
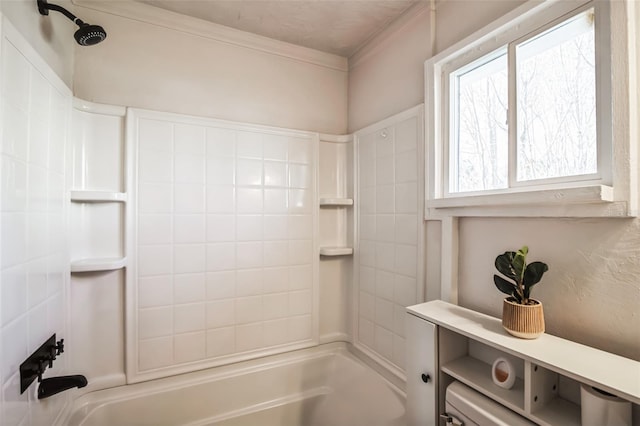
x,y
323,386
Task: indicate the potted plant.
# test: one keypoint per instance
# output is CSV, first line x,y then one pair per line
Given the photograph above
x,y
522,316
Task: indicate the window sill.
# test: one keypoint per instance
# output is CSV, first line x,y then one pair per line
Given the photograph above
x,y
584,201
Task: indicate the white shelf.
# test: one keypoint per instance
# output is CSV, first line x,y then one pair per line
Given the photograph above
x,y
336,202
336,251
564,357
325,137
477,375
82,196
98,264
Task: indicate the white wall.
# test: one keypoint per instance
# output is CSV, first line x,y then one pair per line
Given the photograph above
x,y
592,290
51,36
386,76
457,19
154,67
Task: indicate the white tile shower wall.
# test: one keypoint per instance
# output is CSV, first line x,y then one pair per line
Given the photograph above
x,y
389,234
35,111
226,251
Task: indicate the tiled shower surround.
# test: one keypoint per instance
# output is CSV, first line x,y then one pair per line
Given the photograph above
x,y
217,228
389,233
36,107
225,232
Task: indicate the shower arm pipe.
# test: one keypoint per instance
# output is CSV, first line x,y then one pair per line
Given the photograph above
x,y
44,8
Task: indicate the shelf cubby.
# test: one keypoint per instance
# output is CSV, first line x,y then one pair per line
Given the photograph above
x,y
558,411
477,375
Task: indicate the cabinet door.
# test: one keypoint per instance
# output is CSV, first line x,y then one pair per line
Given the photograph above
x,y
421,369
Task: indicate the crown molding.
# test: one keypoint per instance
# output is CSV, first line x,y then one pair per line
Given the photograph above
x,y
377,42
174,21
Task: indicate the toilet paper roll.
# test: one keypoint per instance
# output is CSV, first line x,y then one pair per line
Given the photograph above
x,y
503,373
599,408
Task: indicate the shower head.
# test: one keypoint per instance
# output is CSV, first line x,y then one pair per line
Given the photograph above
x,y
86,35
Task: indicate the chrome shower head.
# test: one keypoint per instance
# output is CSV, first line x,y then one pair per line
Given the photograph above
x,y
86,35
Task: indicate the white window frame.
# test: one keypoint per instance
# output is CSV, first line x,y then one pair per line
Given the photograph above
x,y
613,191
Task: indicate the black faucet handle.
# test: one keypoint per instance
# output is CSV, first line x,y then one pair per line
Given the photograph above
x,y
59,346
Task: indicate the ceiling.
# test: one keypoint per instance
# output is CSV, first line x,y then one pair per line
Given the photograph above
x,y
338,27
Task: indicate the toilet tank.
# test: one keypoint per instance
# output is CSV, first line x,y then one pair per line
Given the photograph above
x,y
467,407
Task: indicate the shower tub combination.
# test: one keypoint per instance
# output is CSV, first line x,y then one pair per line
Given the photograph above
x,y
321,386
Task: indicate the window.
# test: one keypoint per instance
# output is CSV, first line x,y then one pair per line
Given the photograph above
x,y
479,158
521,113
556,102
553,111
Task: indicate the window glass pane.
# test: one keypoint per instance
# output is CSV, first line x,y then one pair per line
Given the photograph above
x,y
556,133
479,153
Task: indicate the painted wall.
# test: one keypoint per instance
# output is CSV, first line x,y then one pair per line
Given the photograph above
x,y
457,19
150,66
386,76
51,37
592,291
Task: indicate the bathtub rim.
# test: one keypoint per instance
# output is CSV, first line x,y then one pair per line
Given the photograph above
x,y
99,398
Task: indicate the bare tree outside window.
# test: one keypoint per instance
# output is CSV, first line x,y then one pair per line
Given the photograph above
x,y
555,110
557,102
482,138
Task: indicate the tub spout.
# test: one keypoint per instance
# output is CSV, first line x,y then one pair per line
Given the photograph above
x,y
53,385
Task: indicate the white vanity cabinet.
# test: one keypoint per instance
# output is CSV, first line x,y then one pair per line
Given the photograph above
x,y
451,343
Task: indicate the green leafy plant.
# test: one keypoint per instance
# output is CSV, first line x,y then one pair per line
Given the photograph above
x,y
513,265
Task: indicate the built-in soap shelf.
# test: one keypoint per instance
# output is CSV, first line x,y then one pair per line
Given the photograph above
x,y
98,264
336,251
82,196
336,202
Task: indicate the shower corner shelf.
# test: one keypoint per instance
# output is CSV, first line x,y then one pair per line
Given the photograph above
x,y
82,196
336,251
335,201
98,264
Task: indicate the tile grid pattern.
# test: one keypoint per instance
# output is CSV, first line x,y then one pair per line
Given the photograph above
x,y
388,237
34,253
225,246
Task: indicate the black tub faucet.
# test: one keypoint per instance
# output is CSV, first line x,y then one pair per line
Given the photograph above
x,y
53,385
